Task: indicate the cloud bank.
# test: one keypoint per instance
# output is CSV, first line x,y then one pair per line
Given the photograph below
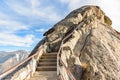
x,y
13,40
19,16
22,22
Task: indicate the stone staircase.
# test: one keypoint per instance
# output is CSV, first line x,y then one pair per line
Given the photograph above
x,y
48,62
46,68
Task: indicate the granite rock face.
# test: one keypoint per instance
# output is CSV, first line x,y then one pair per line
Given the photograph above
x,y
91,48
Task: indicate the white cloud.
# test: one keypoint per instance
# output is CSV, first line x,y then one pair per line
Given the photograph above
x,y
41,30
72,4
110,7
17,18
35,10
35,3
47,14
4,16
64,1
10,26
13,40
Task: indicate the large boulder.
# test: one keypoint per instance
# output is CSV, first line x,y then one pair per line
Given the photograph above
x,y
92,50
58,31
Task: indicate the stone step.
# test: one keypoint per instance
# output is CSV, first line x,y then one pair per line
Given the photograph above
x,y
44,75
47,64
50,54
46,68
48,57
48,60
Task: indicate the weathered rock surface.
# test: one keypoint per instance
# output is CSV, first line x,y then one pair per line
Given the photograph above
x,y
92,51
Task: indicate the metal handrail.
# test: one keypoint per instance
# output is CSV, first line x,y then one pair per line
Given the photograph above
x,y
10,70
68,71
7,72
58,55
60,60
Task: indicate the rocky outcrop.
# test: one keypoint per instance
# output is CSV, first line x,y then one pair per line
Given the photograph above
x,y
65,26
91,48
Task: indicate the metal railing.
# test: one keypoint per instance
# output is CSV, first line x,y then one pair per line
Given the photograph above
x,y
7,72
59,60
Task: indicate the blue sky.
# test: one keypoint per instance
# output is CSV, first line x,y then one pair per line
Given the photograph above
x,y
23,22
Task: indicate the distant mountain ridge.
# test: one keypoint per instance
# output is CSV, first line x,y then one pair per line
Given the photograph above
x,y
9,59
